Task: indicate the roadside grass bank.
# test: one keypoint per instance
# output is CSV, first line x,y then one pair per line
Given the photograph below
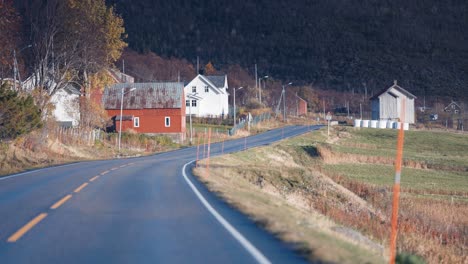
x,y
219,133
37,150
314,191
272,185
59,146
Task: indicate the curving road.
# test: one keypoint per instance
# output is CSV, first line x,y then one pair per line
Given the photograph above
x,y
140,210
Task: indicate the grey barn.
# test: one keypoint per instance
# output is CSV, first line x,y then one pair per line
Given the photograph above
x,y
387,104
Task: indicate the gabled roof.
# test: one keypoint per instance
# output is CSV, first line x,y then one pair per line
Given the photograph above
x,y
452,106
120,77
145,96
396,87
72,89
217,80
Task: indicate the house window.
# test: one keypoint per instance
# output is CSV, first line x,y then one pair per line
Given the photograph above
x,y
167,121
136,122
187,102
194,89
206,89
194,103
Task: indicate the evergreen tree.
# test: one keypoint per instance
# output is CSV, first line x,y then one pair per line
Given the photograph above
x,y
18,114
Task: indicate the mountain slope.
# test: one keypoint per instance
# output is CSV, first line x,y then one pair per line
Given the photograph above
x,y
335,44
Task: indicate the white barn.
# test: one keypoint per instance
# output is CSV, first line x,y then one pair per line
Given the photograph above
x,y
207,96
67,106
387,104
65,100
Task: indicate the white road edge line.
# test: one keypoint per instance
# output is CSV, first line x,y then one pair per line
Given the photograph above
x,y
256,254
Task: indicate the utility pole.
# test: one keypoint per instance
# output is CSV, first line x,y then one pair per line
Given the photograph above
x,y
121,112
360,109
365,90
190,116
124,78
14,69
256,80
347,106
284,101
323,100
235,103
284,104
260,86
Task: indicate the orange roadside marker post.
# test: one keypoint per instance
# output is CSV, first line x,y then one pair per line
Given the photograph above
x,y
208,152
204,143
396,186
245,143
222,146
198,150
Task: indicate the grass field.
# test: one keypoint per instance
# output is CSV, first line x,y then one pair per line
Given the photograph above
x,y
344,181
417,179
448,149
434,184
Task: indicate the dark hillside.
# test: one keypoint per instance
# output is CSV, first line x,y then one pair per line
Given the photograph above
x,y
332,44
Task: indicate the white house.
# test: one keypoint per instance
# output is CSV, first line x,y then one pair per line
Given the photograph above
x,y
387,104
66,101
207,96
67,106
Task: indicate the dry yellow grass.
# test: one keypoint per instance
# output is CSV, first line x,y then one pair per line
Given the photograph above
x,y
37,150
265,183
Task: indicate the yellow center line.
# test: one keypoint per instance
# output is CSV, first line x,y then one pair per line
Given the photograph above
x,y
105,172
18,234
94,178
81,187
62,201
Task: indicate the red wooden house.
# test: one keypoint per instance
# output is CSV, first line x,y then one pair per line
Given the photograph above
x,y
295,105
301,106
150,108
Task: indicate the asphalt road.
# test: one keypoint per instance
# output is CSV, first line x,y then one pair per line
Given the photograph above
x,y
140,210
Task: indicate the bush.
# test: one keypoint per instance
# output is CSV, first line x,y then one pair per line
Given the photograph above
x,y
18,114
405,258
253,104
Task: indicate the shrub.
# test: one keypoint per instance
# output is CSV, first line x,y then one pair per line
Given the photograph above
x,y
253,104
405,258
18,114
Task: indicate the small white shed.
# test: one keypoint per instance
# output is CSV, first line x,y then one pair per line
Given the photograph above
x,y
67,106
387,104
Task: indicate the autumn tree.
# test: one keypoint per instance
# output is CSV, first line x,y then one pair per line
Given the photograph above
x,y
210,69
99,32
73,40
311,96
151,67
92,114
10,28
